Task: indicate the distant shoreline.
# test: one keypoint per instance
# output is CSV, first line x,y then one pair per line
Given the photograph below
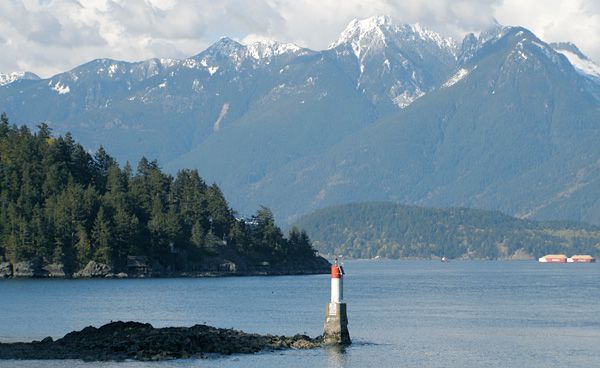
x,y
435,259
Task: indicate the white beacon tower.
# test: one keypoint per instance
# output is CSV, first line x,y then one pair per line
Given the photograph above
x,y
335,331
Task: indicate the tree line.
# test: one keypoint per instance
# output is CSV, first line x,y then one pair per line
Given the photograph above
x,y
66,206
385,229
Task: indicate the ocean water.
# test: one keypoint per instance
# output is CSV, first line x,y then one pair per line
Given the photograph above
x,y
401,314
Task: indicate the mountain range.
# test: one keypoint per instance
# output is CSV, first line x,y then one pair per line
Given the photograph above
x,y
394,112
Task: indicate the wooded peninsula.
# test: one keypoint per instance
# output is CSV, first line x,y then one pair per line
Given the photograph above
x,y
65,212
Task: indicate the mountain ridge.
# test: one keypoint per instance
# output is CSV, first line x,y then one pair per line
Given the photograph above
x,y
296,129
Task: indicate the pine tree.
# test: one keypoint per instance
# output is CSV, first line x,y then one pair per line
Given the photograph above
x,y
102,239
219,212
83,248
197,237
101,164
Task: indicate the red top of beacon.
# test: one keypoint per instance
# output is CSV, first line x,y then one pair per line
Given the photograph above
x,y
336,272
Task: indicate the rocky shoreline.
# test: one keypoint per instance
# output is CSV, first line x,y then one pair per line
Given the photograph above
x,y
218,268
118,341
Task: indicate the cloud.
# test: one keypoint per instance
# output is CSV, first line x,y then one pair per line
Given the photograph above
x,y
577,21
50,36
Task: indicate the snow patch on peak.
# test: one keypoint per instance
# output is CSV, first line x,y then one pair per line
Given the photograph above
x,y
495,32
266,49
427,34
377,32
458,76
112,69
357,30
61,89
168,63
8,78
406,98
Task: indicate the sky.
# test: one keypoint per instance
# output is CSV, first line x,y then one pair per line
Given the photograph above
x,y
51,36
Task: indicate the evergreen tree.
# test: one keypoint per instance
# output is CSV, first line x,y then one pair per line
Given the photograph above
x,y
221,216
102,239
83,248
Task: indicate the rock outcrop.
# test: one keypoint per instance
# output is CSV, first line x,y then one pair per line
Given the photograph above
x,y
6,270
55,270
132,340
31,268
211,266
93,269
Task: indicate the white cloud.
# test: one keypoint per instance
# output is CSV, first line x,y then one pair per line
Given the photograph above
x,y
577,21
50,36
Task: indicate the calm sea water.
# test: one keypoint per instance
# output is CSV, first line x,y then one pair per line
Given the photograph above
x,y
401,313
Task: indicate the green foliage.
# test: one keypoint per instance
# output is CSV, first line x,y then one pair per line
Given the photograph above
x,y
60,204
366,230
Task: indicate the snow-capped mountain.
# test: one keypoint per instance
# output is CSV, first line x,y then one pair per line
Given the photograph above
x,y
8,78
388,111
394,63
239,55
514,129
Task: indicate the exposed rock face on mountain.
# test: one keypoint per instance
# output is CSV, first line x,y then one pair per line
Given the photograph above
x,y
119,341
389,112
394,64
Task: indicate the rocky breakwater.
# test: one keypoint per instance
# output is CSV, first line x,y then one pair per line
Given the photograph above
x,y
119,341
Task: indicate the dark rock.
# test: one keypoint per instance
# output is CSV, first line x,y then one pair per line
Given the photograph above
x,y
6,270
228,266
132,340
93,269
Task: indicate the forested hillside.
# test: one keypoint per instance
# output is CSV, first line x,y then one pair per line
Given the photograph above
x,y
60,205
366,230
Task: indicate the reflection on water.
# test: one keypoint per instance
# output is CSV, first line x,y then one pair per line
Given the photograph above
x,y
401,313
336,356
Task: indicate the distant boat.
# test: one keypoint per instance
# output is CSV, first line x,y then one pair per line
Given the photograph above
x,y
561,258
553,258
444,260
581,259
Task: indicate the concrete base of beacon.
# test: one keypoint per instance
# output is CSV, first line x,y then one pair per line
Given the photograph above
x,y
335,331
